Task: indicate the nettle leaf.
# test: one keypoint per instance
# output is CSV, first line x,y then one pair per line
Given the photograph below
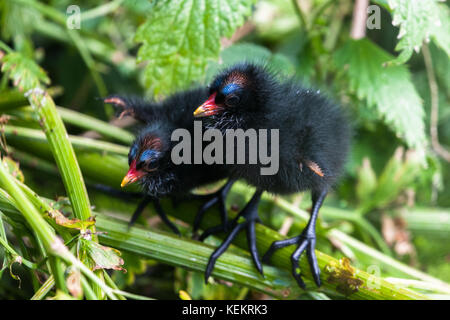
x,y
388,89
24,72
17,19
181,36
417,20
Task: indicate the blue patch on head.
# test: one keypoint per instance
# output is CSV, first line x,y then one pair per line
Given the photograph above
x,y
148,154
230,88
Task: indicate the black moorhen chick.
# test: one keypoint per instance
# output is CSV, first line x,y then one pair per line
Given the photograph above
x,y
314,139
150,154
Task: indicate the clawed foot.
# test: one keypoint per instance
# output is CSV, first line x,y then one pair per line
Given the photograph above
x,y
306,241
249,225
121,104
245,220
219,198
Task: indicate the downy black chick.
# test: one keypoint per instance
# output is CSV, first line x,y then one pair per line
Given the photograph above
x,y
150,154
314,139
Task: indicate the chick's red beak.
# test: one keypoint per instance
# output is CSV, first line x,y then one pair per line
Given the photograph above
x,y
208,108
133,175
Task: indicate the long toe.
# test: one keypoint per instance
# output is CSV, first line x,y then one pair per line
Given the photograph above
x,y
251,239
311,254
296,271
173,227
249,214
221,249
278,245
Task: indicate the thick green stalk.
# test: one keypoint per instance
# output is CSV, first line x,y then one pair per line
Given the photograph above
x,y
87,290
65,158
44,289
57,269
63,152
33,135
111,283
86,122
83,121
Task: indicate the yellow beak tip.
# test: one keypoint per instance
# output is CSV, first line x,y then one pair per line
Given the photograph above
x,y
199,111
125,182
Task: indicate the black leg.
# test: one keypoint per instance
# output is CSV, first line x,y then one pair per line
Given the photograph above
x,y
162,214
249,215
140,208
305,241
159,211
219,198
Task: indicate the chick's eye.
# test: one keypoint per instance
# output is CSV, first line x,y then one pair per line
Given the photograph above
x,y
232,100
151,165
149,159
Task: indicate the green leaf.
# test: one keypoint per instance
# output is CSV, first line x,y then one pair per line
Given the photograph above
x,y
17,19
417,20
102,257
13,168
440,33
388,89
179,37
24,72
